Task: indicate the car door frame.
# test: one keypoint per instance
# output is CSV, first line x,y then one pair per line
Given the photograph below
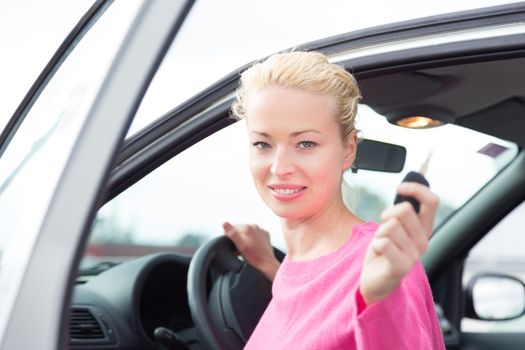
x,y
40,310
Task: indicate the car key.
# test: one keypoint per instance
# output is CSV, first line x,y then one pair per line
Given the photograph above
x,y
418,177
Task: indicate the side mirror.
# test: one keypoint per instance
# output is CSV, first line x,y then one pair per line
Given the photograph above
x,y
495,297
379,156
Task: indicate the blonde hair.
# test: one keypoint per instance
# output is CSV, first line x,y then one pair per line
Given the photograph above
x,y
309,71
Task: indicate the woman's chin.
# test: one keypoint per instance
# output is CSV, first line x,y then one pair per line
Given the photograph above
x,y
287,210
288,213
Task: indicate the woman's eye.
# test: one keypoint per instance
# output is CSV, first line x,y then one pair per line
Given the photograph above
x,y
306,144
261,145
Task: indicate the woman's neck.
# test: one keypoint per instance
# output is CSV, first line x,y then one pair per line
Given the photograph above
x,y
319,235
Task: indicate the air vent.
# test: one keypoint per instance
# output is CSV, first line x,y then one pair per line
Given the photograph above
x,y
88,327
83,325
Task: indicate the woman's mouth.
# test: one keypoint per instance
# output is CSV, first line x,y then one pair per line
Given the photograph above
x,y
287,192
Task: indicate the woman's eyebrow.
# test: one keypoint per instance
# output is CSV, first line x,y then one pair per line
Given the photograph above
x,y
296,133
293,134
260,133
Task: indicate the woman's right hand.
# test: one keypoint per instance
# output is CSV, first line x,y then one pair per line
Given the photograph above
x,y
398,243
253,243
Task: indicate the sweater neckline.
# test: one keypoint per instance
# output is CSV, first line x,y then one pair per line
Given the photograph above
x,y
314,266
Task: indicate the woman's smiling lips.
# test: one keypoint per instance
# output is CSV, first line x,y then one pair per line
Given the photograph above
x,y
286,192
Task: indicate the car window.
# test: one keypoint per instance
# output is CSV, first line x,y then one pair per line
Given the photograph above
x,y
184,202
500,251
36,154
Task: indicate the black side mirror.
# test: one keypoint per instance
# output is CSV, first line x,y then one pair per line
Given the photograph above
x,y
495,297
379,156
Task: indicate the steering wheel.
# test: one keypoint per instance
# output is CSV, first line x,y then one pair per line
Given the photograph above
x,y
226,296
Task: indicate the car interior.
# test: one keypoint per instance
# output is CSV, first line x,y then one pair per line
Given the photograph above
x,y
212,299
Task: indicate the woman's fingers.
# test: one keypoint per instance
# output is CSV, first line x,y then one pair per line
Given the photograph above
x,y
404,215
394,231
384,267
233,233
397,261
250,240
253,243
228,229
427,199
238,234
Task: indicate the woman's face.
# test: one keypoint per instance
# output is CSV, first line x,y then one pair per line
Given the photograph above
x,y
297,156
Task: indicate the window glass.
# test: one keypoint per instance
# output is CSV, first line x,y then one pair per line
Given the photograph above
x,y
183,203
34,159
500,251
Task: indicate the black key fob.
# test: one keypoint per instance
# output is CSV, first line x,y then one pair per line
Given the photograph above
x,y
412,177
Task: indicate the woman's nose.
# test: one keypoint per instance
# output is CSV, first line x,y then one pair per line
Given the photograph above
x,y
283,163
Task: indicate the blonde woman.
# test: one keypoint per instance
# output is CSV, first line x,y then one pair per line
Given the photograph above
x,y
344,283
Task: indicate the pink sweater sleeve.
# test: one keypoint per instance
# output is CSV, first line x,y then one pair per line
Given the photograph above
x,y
401,321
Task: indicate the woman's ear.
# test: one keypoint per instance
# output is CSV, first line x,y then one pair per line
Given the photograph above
x,y
350,150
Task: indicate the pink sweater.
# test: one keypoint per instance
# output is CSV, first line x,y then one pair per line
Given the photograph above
x,y
317,305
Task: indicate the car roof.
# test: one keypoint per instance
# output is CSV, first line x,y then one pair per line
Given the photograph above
x,y
484,96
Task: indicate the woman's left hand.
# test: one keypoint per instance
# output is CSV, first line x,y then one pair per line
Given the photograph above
x,y
398,244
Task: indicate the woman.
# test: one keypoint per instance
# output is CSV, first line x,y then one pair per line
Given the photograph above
x,y
344,283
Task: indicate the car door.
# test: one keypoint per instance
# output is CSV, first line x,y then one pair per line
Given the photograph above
x,y
57,151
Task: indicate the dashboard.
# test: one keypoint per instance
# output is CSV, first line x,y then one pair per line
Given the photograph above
x,y
122,307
